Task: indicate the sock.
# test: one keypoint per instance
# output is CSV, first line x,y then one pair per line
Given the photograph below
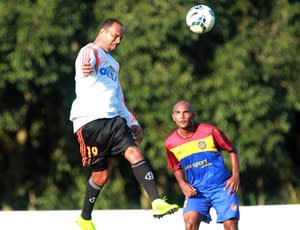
x,y
91,193
144,175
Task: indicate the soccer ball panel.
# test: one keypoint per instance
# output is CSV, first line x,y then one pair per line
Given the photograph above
x,y
200,19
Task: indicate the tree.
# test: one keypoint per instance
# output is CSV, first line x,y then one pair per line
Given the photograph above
x,y
233,75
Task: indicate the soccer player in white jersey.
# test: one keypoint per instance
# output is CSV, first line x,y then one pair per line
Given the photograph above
x,y
103,124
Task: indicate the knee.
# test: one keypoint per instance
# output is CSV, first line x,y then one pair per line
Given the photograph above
x,y
189,225
192,221
100,178
231,224
133,154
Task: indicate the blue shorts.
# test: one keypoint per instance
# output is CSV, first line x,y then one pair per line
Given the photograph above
x,y
225,204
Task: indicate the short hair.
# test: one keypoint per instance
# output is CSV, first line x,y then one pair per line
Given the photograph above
x,y
190,106
109,22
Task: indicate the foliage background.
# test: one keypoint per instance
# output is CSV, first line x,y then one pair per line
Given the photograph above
x,y
243,76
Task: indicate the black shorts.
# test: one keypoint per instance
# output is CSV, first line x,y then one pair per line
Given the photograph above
x,y
103,138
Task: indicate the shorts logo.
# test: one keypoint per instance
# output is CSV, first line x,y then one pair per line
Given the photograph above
x,y
201,145
233,207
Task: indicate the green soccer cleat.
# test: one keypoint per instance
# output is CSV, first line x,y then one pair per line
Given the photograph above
x,y
161,208
85,224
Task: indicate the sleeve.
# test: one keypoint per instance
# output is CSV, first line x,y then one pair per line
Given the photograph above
x,y
123,111
221,140
86,55
173,163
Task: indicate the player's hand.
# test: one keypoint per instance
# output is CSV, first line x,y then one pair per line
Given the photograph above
x,y
138,133
188,190
233,183
86,69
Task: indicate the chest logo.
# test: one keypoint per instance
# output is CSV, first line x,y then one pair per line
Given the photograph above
x,y
109,72
201,145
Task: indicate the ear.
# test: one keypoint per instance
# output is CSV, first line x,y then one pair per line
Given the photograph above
x,y
194,114
173,117
102,31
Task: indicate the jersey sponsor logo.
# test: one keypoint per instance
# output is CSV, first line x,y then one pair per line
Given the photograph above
x,y
202,164
149,176
109,72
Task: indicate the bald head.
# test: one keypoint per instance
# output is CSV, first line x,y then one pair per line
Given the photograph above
x,y
185,104
183,115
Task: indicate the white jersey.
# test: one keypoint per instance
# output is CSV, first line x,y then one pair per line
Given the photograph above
x,y
98,95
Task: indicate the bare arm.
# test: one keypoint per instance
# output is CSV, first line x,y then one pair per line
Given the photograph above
x,y
186,188
234,181
222,142
138,133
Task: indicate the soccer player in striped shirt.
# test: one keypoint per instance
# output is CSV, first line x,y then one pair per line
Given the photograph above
x,y
194,155
104,126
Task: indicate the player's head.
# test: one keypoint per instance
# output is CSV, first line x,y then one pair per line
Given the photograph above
x,y
183,114
110,34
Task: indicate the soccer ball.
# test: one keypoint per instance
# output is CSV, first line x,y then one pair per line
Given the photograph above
x,y
200,19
